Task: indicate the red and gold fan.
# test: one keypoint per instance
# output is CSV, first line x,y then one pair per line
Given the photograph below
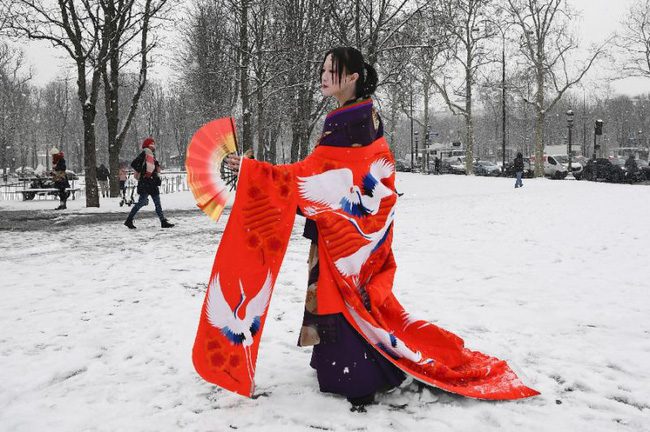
x,y
207,174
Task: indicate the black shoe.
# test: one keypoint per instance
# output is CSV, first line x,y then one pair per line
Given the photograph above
x,y
61,207
166,224
129,223
359,403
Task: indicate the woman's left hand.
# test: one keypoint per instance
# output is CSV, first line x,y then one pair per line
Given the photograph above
x,y
233,160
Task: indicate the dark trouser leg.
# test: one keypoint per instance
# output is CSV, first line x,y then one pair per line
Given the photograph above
x,y
141,202
63,197
159,210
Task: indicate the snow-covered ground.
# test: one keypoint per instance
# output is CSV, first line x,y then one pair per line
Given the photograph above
x,y
97,321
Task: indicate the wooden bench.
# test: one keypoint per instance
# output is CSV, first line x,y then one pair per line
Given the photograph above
x,y
29,194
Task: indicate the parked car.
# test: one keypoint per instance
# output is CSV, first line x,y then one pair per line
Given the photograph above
x,y
402,165
553,168
644,169
71,175
638,176
604,169
487,168
457,165
576,166
445,167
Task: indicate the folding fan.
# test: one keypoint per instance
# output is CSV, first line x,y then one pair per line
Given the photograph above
x,y
207,174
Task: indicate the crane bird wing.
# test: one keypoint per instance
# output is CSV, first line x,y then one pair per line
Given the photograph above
x,y
221,315
257,306
334,189
386,341
379,169
218,310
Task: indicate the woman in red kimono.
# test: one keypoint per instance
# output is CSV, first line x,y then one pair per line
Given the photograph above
x,y
345,363
364,341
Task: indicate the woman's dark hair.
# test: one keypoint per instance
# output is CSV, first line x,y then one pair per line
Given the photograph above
x,y
350,60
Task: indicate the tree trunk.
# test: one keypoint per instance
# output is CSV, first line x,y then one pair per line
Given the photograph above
x,y
261,126
90,158
469,127
247,133
295,143
426,127
112,125
539,125
272,134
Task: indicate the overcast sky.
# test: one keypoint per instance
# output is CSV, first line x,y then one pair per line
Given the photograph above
x,y
600,18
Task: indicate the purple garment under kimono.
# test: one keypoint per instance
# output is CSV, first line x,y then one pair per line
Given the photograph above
x,y
345,363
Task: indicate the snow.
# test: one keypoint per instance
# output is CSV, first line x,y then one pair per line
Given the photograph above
x,y
98,321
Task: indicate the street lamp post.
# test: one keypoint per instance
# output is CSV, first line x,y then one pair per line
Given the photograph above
x,y
569,121
503,100
412,165
416,147
425,152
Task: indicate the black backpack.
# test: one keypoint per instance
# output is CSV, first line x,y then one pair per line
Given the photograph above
x,y
138,163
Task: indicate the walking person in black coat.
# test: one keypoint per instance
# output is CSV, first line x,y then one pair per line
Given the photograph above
x,y
519,169
60,179
631,168
102,178
147,171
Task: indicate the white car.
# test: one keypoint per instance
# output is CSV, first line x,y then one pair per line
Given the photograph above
x,y
457,165
553,168
487,168
556,166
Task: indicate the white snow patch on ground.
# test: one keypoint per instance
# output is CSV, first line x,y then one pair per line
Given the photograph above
x,y
97,321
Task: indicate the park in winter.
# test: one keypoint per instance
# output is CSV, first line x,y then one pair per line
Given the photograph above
x,y
324,215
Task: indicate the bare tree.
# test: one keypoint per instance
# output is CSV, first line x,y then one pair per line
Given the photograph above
x,y
75,27
549,47
14,101
180,122
208,59
634,40
125,22
468,26
371,25
305,39
57,114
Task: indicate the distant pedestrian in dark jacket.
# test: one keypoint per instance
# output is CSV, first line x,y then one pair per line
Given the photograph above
x,y
102,178
436,164
631,167
60,178
147,171
519,169
123,176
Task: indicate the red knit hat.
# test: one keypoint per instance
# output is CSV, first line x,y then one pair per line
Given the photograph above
x,y
147,142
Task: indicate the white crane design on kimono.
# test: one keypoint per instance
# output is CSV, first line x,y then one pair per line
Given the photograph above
x,y
335,190
387,342
350,265
239,331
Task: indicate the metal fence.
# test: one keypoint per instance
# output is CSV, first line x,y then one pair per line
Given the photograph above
x,y
171,182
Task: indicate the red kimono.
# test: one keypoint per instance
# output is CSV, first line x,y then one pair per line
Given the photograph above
x,y
350,194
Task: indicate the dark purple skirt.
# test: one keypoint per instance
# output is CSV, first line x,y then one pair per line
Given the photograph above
x,y
350,366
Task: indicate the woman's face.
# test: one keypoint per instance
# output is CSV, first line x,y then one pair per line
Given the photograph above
x,y
330,84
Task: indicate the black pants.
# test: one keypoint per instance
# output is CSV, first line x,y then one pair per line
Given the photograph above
x,y
63,195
